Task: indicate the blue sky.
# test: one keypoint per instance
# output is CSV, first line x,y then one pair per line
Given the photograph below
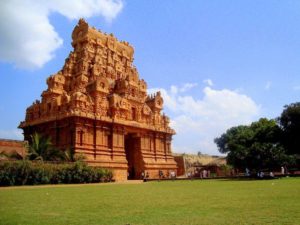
x,y
217,63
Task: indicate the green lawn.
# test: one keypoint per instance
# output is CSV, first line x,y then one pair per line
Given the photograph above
x,y
178,202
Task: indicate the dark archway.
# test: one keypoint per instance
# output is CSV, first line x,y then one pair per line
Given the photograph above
x,y
133,156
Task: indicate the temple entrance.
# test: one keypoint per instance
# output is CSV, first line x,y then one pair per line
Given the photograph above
x,y
133,156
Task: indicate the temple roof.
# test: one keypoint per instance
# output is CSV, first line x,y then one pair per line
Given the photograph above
x,y
99,81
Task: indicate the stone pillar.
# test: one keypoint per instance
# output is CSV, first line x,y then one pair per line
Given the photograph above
x,y
165,147
95,138
155,146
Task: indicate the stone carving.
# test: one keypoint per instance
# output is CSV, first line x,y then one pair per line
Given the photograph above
x,y
98,105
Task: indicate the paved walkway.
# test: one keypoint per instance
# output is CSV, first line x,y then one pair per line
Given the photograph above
x,y
71,185
129,182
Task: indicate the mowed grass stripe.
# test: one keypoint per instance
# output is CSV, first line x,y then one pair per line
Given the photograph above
x,y
178,202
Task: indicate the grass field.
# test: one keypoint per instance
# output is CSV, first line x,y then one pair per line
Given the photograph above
x,y
178,202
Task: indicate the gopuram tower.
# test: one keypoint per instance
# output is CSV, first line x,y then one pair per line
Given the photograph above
x,y
98,105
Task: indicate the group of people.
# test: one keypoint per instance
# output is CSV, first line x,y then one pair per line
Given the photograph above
x,y
261,174
145,175
171,175
161,175
201,174
205,174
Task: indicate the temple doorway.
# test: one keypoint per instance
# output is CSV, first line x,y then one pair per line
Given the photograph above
x,y
133,156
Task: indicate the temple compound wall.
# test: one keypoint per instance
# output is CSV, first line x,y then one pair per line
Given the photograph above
x,y
98,105
10,147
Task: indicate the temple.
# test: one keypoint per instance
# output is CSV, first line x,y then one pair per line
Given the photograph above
x,y
98,105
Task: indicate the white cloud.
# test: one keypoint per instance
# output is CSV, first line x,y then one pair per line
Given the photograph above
x,y
198,121
174,90
14,134
27,38
268,85
187,86
208,82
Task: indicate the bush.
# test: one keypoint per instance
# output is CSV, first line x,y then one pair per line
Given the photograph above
x,y
7,177
39,174
32,173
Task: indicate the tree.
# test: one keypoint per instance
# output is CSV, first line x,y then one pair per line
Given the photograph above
x,y
290,124
71,156
230,139
257,146
41,148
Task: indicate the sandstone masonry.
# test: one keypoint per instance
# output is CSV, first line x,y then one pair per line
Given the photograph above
x,y
98,105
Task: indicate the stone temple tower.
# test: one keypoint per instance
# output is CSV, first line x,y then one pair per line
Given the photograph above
x,y
98,105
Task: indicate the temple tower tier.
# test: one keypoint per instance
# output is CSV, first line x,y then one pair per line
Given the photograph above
x,y
98,105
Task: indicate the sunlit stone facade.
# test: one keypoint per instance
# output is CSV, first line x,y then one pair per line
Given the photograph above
x,y
98,105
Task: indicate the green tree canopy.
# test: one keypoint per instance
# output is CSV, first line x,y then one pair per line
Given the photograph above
x,y
290,124
257,146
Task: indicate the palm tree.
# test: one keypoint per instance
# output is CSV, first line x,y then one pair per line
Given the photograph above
x,y
72,156
41,148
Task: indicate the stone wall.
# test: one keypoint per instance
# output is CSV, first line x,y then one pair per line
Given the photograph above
x,y
191,163
12,146
180,165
